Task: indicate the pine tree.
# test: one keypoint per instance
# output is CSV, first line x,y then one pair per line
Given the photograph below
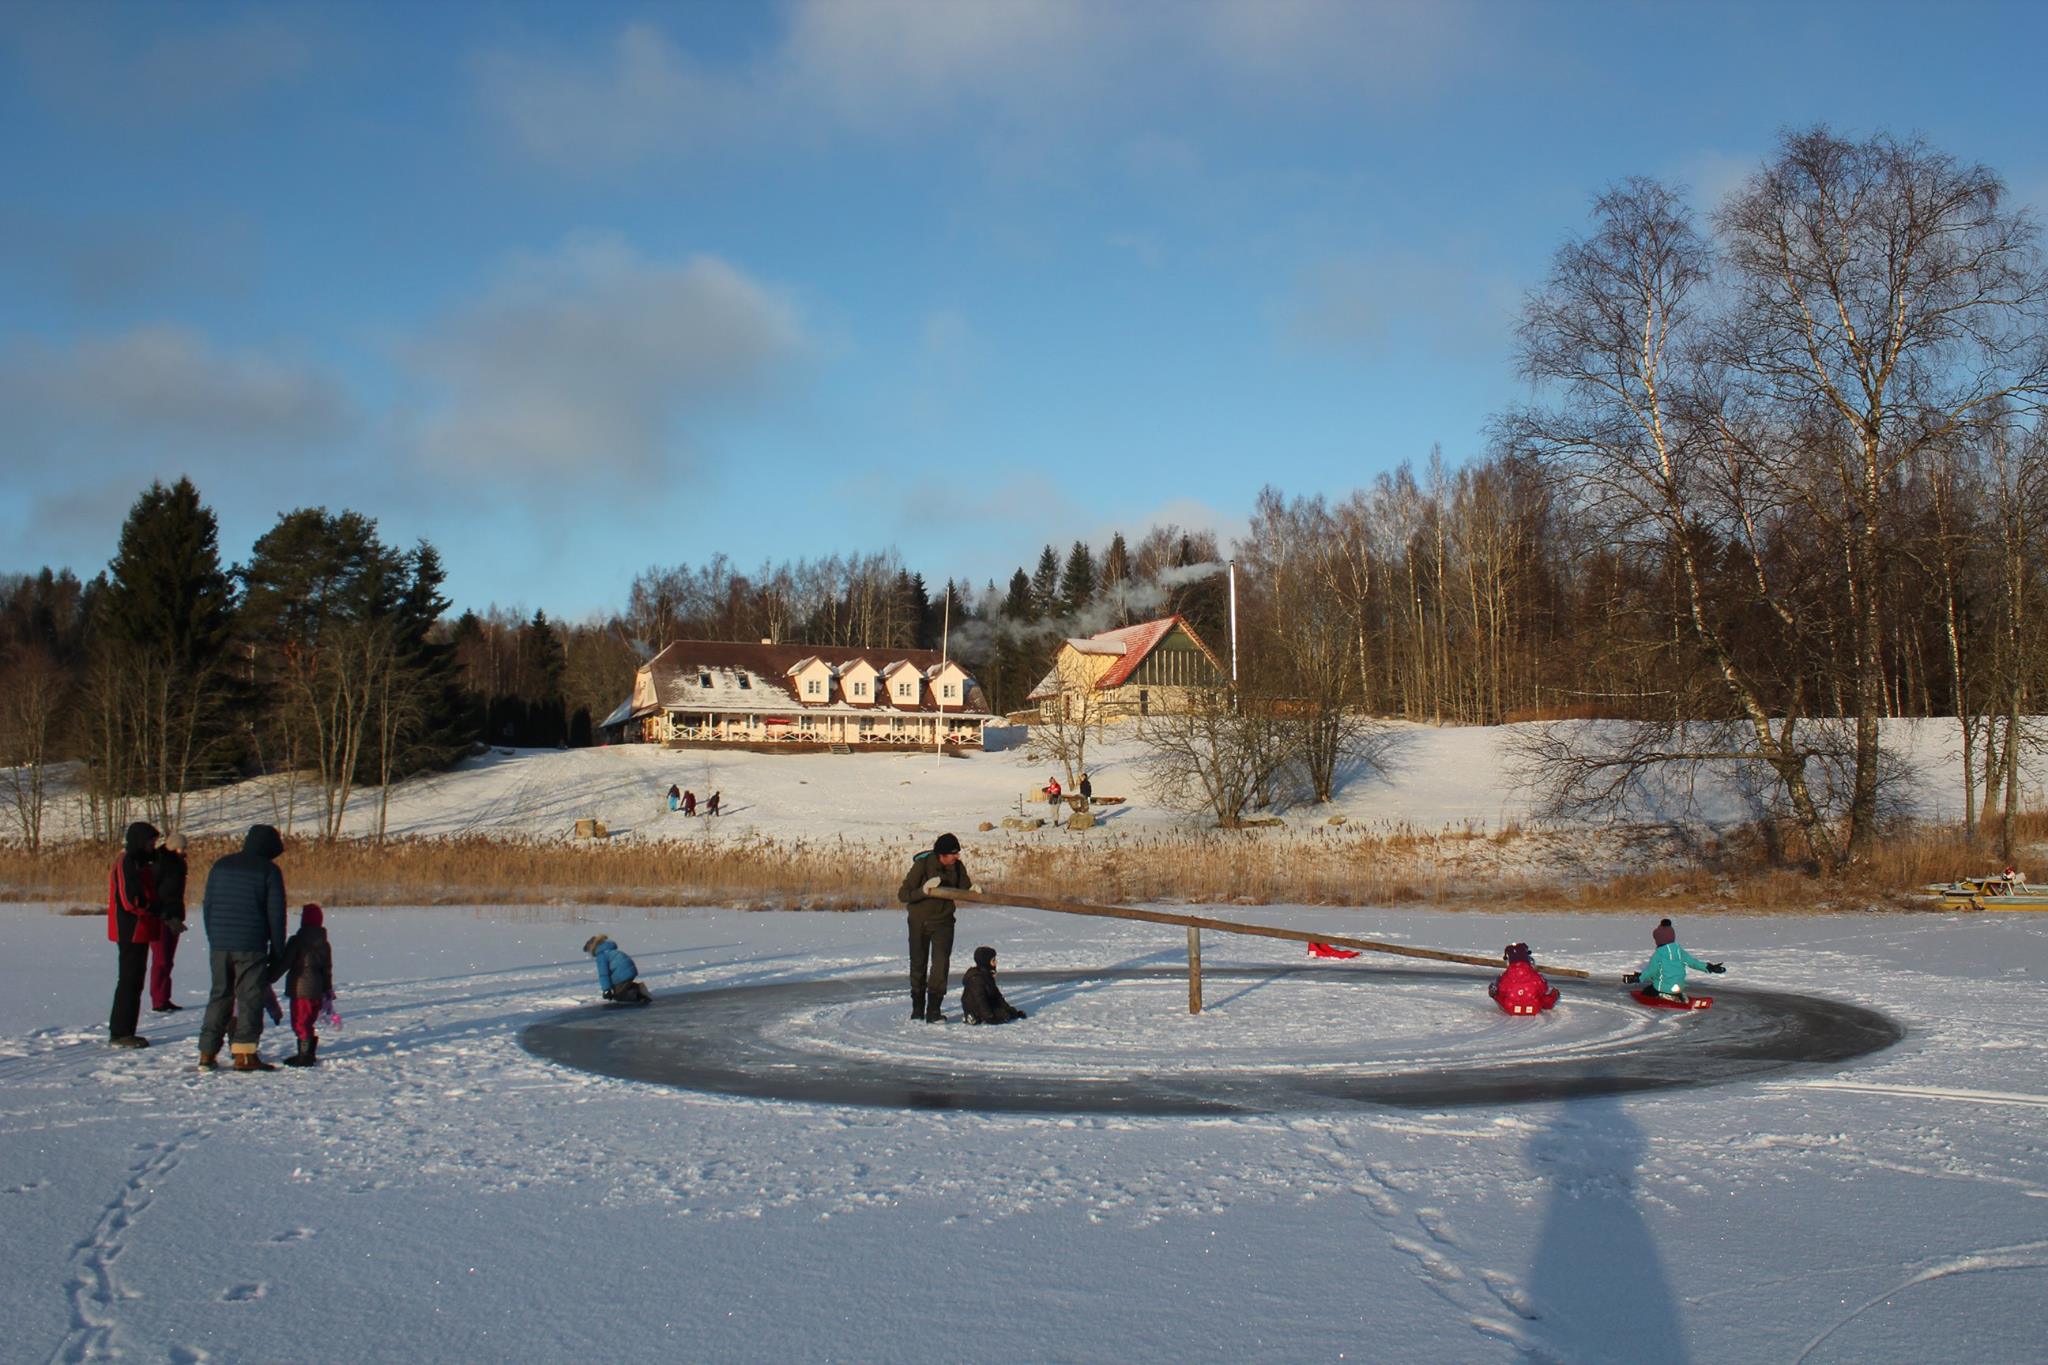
x,y
166,618
1045,586
1077,583
1017,606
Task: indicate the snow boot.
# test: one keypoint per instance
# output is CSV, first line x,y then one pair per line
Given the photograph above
x,y
917,1007
308,1053
933,1014
130,1041
252,1061
209,1061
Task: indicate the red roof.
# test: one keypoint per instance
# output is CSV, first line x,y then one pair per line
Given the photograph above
x,y
1133,643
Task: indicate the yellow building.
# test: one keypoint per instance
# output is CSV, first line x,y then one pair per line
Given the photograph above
x,y
1141,670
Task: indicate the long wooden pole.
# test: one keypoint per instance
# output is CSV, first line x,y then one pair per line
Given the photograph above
x,y
1194,970
1225,926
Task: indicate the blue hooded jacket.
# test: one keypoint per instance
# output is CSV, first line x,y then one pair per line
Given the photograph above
x,y
244,904
614,968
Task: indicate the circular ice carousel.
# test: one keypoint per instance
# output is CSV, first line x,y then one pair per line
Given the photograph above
x,y
1270,1039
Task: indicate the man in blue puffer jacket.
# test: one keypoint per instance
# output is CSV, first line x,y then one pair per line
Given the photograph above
x,y
245,938
616,972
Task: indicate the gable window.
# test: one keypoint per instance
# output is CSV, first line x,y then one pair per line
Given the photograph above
x,y
860,689
903,690
952,691
814,688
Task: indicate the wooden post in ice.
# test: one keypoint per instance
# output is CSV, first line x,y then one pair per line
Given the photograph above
x,y
1194,970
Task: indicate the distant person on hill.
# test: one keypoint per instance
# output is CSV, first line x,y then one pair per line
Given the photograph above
x,y
689,803
931,923
170,899
132,925
675,797
1087,790
981,1000
309,982
616,974
1521,989
1664,973
711,806
244,913
1051,790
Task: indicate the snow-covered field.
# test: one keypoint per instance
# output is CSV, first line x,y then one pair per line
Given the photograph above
x,y
431,1190
1430,779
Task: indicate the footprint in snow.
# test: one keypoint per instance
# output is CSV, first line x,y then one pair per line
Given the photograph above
x,y
290,1235
244,1293
188,1355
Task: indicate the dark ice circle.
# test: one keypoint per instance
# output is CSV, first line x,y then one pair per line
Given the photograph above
x,y
847,1041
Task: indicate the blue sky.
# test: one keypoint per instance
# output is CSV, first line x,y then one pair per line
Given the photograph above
x,y
575,289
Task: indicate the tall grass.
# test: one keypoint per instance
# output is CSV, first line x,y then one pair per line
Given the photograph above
x,y
1457,868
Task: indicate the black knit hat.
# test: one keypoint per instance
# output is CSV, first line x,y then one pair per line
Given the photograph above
x,y
946,844
984,955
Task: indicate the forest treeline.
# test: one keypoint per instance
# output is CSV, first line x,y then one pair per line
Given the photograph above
x,y
1783,477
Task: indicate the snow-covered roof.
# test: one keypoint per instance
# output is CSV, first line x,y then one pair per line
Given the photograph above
x,y
1128,645
758,677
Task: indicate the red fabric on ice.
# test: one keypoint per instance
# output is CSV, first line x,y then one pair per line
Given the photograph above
x,y
1325,950
1522,985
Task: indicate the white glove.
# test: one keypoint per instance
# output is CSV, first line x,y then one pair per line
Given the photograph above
x,y
930,884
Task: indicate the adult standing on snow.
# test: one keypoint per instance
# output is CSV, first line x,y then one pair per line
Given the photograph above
x,y
931,923
245,936
170,898
132,925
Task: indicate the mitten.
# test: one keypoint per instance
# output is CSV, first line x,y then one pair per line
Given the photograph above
x,y
1716,968
609,996
1632,978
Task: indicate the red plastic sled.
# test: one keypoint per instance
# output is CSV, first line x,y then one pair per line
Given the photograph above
x,y
1658,1002
1325,950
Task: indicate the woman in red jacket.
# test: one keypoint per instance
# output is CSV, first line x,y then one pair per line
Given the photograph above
x,y
132,925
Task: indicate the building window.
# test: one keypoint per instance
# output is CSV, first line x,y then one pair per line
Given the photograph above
x,y
1144,703
952,691
744,683
804,722
813,688
703,680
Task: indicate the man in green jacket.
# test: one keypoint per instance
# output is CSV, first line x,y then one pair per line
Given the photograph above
x,y
931,923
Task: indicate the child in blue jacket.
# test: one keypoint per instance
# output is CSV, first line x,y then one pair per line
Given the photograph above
x,y
1664,973
616,972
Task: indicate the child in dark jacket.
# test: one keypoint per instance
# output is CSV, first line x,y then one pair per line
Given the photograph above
x,y
308,981
616,972
981,1000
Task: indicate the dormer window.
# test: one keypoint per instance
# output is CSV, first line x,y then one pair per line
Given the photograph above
x,y
860,689
952,691
814,688
904,690
703,680
744,683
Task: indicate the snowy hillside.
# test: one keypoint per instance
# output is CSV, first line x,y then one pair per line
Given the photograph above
x,y
1431,778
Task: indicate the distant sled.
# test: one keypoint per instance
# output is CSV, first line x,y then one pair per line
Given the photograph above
x,y
1658,1002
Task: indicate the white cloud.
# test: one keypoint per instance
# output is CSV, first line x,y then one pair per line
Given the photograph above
x,y
82,60
597,361
1014,72
640,96
1374,302
166,383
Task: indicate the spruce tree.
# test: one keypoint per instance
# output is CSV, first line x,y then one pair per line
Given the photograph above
x,y
1077,583
1045,586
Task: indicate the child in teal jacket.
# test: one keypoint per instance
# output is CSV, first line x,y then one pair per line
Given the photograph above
x,y
1664,973
616,974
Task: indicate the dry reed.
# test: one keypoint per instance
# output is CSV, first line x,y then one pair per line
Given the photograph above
x,y
1457,868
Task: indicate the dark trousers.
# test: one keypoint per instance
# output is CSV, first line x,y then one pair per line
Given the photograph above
x,y
238,982
931,948
162,954
128,989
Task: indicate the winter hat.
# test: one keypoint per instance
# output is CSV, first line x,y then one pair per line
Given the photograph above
x,y
946,844
1664,933
590,944
311,916
984,955
174,841
1518,952
140,839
